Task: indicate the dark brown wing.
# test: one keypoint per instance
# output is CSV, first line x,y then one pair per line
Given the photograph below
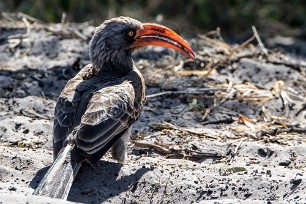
x,y
67,108
94,110
110,112
64,115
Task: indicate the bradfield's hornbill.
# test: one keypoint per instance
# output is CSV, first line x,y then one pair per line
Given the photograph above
x,y
97,107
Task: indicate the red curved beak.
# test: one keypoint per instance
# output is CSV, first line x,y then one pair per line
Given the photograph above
x,y
154,34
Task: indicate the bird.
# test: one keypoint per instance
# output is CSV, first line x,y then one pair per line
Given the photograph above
x,y
96,109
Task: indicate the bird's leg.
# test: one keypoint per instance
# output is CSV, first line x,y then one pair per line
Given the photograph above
x,y
119,149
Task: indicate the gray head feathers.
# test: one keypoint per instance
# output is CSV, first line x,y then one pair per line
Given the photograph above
x,y
110,44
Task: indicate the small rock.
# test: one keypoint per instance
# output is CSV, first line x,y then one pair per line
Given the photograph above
x,y
26,131
265,152
17,125
285,163
247,195
5,82
12,188
296,181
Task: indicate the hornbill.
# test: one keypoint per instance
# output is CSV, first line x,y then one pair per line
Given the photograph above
x,y
97,107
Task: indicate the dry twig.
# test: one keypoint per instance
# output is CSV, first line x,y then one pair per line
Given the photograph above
x,y
156,147
236,151
276,131
187,91
227,57
261,45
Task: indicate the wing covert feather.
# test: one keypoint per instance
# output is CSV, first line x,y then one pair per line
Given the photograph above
x,y
108,113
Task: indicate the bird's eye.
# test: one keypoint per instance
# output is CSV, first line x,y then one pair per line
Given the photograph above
x,y
131,33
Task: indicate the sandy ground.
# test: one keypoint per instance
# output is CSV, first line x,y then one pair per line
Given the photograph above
x,y
242,143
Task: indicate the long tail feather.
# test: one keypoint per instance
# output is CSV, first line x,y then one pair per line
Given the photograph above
x,y
59,178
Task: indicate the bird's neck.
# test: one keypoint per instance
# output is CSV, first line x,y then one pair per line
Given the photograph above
x,y
120,63
121,67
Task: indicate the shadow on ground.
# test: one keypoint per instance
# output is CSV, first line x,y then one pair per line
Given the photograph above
x,y
99,183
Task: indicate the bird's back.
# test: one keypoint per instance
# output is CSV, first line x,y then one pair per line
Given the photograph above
x,y
94,109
